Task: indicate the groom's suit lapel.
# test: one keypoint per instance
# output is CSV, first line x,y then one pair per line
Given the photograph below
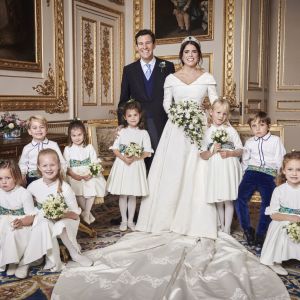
x,y
159,76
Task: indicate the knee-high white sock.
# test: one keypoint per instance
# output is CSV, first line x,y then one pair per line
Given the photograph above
x,y
81,201
64,237
88,205
81,259
220,210
123,207
131,208
229,209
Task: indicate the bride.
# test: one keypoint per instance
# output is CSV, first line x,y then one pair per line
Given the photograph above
x,y
177,175
177,253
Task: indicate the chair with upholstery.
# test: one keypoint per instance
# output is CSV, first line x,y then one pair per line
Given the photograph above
x,y
102,133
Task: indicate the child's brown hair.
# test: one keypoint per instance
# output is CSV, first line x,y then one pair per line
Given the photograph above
x,y
14,170
294,155
77,124
261,116
135,105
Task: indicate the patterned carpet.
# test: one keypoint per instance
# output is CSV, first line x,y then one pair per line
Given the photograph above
x,y
39,284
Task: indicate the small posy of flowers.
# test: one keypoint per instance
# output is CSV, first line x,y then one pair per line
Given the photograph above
x,y
54,207
10,122
162,66
189,116
133,149
95,169
220,136
293,231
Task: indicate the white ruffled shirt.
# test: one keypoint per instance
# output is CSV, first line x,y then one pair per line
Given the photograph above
x,y
266,152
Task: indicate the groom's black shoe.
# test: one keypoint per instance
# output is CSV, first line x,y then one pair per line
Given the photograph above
x,y
259,241
249,235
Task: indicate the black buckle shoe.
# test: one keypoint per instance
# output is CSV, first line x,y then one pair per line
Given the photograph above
x,y
259,241
249,235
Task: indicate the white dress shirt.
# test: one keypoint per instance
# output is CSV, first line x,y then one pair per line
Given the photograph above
x,y
265,152
151,63
28,159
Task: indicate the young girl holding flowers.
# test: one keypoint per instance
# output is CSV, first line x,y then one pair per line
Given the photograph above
x,y
222,147
283,236
50,188
128,174
81,157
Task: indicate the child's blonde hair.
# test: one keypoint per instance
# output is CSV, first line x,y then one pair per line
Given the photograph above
x,y
59,174
14,170
295,155
220,102
42,120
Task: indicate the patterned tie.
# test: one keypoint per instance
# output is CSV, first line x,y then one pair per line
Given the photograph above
x,y
148,71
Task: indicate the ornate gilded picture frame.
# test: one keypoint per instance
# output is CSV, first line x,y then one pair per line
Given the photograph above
x,y
47,89
172,20
20,36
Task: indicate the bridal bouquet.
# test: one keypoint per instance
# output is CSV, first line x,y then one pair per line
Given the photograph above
x,y
54,207
95,169
187,115
220,136
293,231
133,149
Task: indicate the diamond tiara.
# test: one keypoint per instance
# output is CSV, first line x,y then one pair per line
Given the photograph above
x,y
190,39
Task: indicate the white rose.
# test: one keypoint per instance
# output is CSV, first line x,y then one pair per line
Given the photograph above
x,y
11,125
191,126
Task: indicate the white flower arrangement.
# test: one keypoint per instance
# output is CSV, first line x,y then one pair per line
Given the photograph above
x,y
293,231
95,169
189,116
54,207
220,136
133,149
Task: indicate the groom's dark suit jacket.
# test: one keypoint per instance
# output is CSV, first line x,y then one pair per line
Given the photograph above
x,y
133,86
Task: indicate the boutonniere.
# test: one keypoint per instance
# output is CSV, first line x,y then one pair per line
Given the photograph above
x,y
162,66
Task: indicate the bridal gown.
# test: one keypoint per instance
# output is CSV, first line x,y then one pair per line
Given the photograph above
x,y
177,175
169,259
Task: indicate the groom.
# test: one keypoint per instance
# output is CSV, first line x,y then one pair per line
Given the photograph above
x,y
143,80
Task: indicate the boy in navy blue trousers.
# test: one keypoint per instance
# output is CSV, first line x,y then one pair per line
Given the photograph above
x,y
262,158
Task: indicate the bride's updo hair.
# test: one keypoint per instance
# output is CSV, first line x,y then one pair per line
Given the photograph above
x,y
193,41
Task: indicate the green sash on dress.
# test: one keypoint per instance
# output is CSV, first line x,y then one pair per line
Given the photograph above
x,y
13,212
79,163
